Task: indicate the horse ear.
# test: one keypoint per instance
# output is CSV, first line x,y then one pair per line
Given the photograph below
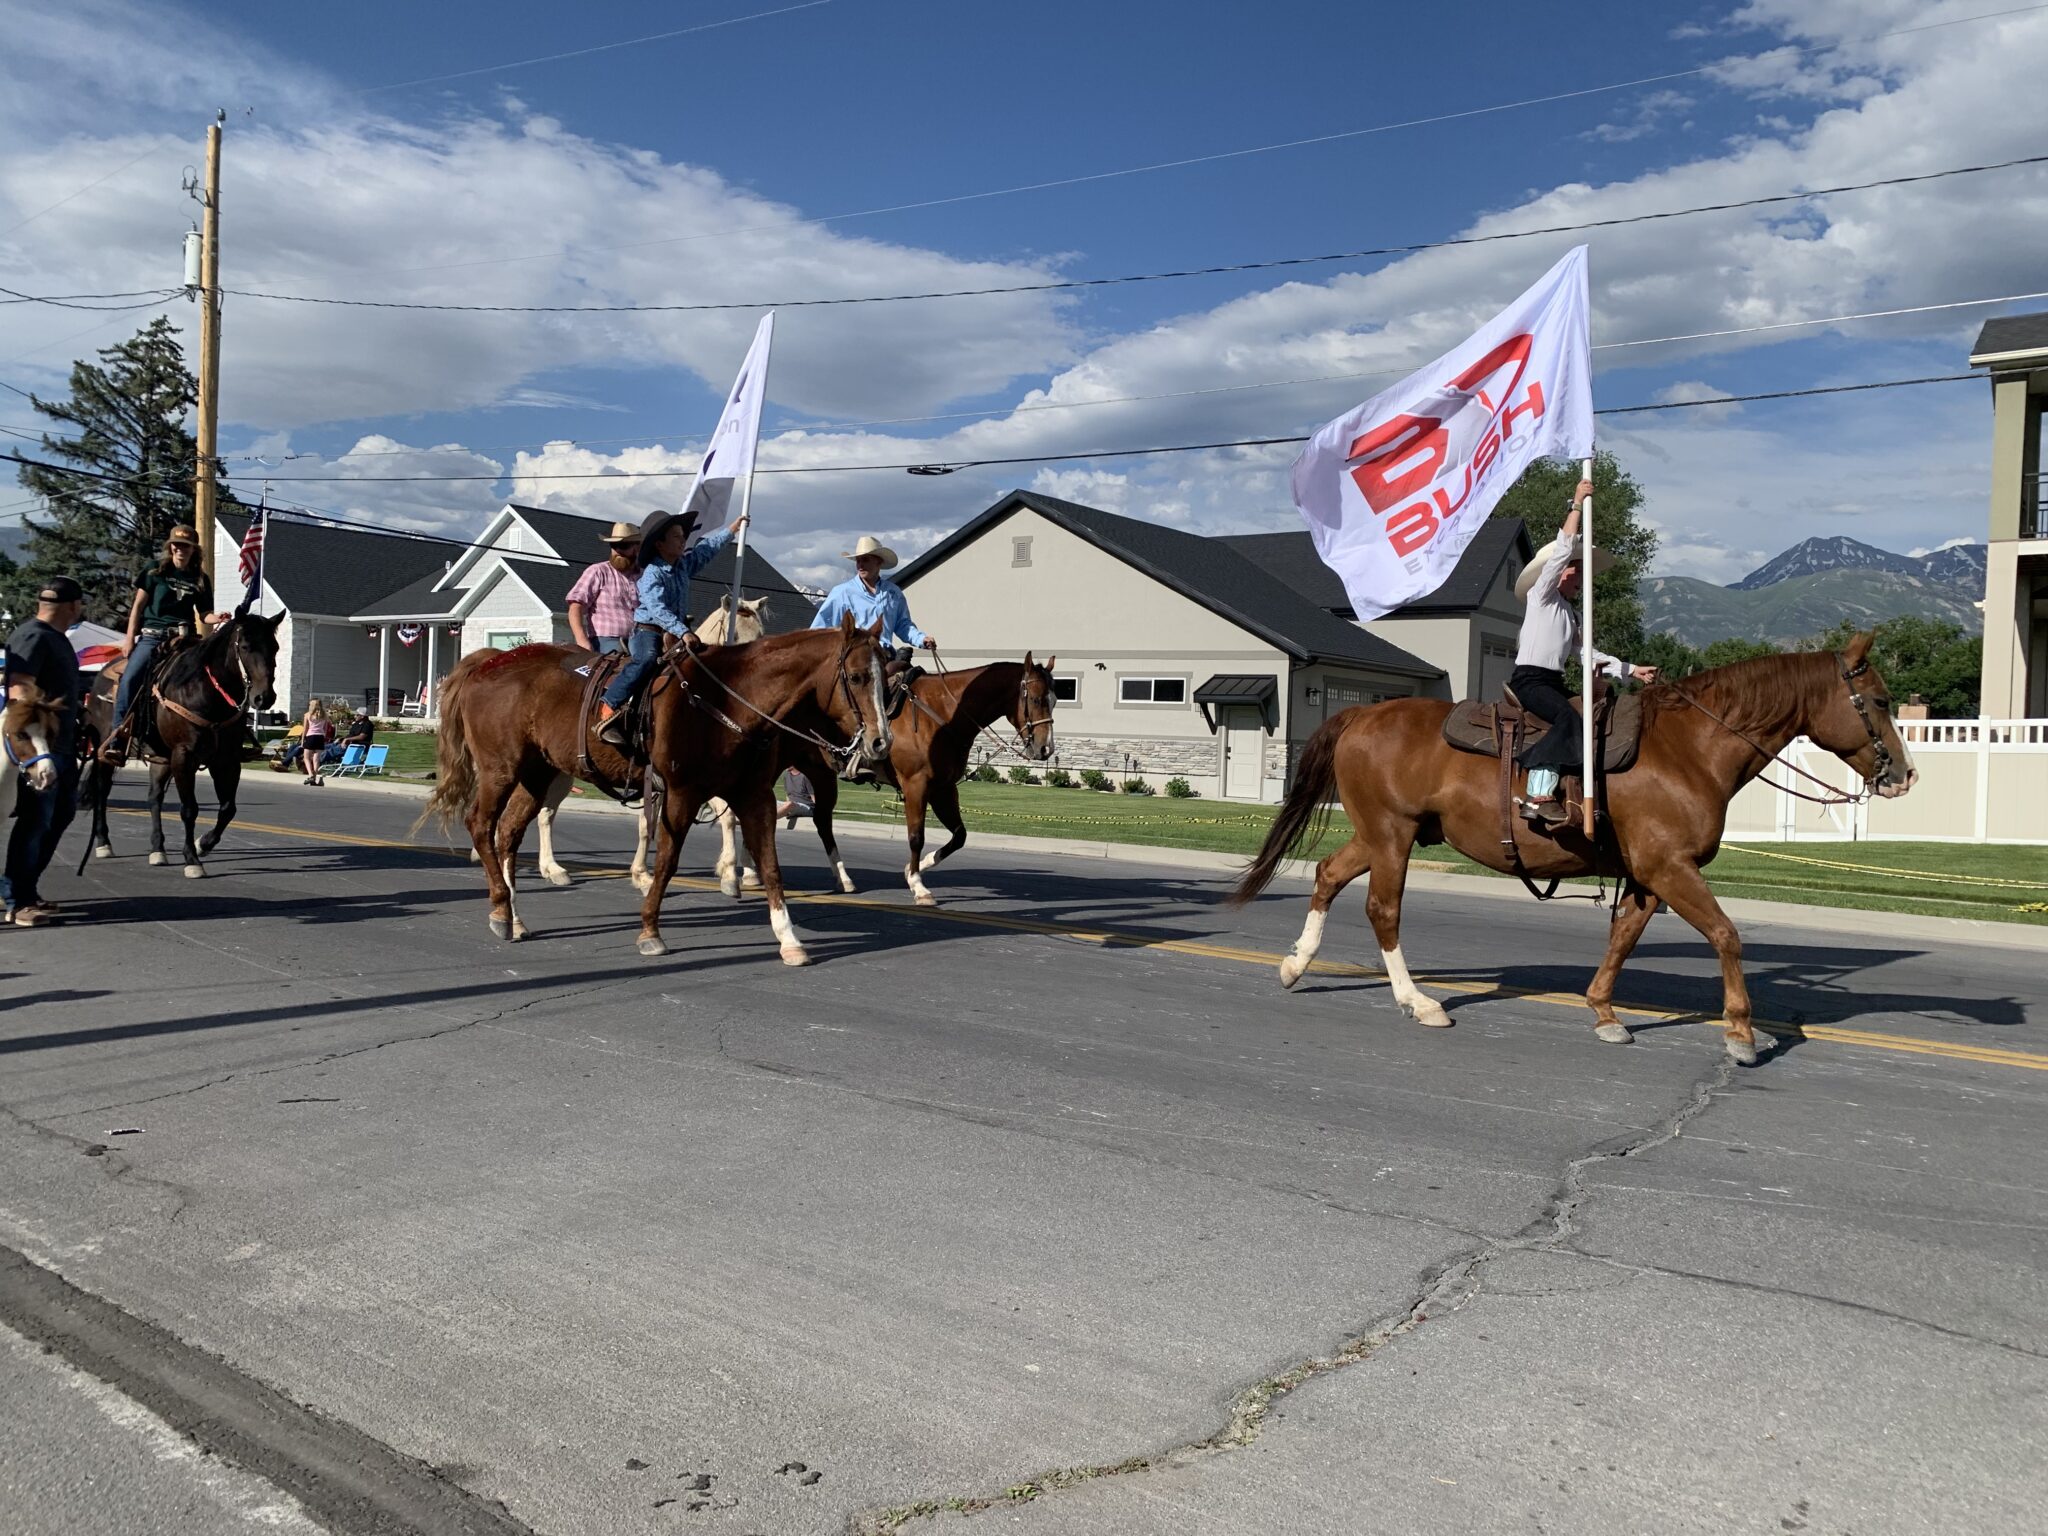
x,y
1028,662
846,625
875,630
1051,662
725,602
1858,650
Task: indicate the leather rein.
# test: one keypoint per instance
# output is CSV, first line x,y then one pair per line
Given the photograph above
x,y
1830,795
1022,720
688,644
192,716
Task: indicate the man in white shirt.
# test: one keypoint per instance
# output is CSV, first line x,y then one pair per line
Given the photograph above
x,y
1550,638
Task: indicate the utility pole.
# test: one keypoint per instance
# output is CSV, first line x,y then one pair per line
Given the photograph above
x,y
204,489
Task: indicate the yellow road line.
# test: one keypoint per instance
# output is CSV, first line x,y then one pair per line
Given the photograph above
x,y
1112,938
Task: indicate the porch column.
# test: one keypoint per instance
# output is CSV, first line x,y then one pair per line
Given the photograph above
x,y
433,670
383,670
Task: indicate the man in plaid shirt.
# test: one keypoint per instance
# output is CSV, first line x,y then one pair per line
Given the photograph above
x,y
601,603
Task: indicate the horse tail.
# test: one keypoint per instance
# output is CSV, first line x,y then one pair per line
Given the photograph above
x,y
1304,814
454,768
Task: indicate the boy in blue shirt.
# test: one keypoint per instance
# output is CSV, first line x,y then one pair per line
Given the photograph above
x,y
667,562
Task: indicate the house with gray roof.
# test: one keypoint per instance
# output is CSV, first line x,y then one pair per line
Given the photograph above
x,y
378,617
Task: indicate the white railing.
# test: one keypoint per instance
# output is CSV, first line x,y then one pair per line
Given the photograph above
x,y
1937,733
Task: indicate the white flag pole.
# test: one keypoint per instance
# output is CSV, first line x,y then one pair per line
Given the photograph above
x,y
739,554
1588,772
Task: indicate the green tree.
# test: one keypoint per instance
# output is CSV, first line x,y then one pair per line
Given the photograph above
x,y
121,478
1542,497
1669,654
1930,657
1735,648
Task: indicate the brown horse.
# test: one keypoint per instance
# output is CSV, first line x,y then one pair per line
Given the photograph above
x,y
203,696
1702,741
512,724
28,724
935,732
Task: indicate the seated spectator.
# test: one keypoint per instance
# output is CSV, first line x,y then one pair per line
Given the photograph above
x,y
359,734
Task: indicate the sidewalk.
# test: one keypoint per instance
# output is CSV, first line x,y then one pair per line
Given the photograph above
x,y
1423,875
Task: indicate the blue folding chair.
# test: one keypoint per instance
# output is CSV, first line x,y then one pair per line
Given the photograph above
x,y
351,757
374,763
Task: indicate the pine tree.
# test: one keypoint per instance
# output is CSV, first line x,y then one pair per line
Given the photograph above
x,y
116,488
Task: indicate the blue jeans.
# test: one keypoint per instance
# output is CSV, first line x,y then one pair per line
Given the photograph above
x,y
138,663
645,651
606,644
39,823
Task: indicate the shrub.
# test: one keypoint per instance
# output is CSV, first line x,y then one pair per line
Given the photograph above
x,y
1095,778
1059,778
986,773
1179,789
1138,787
1019,774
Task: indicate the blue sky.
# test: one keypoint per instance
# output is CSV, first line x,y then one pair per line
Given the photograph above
x,y
695,169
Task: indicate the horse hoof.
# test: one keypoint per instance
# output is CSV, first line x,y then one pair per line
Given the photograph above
x,y
1613,1034
195,871
652,945
926,899
159,857
1290,972
847,887
501,928
794,954
1742,1051
727,886
1432,1016
102,851
558,877
750,881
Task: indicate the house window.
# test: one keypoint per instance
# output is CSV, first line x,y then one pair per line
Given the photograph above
x,y
1152,690
1065,690
506,639
1020,552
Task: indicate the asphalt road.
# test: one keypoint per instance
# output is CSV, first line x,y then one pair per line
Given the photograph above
x,y
322,1208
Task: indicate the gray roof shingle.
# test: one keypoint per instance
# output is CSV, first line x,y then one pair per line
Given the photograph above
x,y
1206,571
339,572
1291,558
2012,333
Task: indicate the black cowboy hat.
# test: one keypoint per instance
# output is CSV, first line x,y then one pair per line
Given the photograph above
x,y
654,525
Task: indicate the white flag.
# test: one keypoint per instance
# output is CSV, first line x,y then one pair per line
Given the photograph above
x,y
729,458
1393,491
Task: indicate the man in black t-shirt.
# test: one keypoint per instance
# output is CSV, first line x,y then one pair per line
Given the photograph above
x,y
40,652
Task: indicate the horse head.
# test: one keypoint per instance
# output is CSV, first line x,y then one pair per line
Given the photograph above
x,y
28,725
1032,713
722,629
858,701
1854,721
248,645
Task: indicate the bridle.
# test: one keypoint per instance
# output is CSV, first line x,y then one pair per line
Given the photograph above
x,y
23,764
240,652
688,644
1830,795
1021,720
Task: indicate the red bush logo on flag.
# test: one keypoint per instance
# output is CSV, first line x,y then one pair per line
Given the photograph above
x,y
1393,491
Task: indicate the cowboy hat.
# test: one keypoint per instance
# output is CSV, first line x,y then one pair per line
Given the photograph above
x,y
657,523
183,533
870,545
1526,581
622,533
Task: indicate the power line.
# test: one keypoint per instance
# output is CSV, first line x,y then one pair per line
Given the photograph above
x,y
97,181
577,53
948,466
1798,50
1181,394
1145,277
66,300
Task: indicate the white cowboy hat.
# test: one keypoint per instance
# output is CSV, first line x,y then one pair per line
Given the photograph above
x,y
870,545
623,533
1526,581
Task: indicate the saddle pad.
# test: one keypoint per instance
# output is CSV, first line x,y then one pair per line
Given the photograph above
x,y
1469,728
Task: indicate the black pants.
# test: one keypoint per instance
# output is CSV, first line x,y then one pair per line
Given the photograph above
x,y
1542,692
39,822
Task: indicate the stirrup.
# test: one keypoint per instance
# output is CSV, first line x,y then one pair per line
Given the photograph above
x,y
1545,813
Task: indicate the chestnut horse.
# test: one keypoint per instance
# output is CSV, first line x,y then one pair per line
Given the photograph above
x,y
28,724
934,735
1702,740
512,724
204,695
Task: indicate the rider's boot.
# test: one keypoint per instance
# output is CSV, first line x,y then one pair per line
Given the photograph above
x,y
1540,806
611,726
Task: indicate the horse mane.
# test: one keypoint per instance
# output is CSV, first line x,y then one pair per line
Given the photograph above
x,y
185,665
1759,689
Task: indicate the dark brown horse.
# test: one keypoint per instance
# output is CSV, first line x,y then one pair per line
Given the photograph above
x,y
1702,740
204,695
512,723
934,734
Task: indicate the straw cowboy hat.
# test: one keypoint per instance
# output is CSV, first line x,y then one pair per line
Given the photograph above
x,y
622,533
1526,581
654,525
870,545
183,533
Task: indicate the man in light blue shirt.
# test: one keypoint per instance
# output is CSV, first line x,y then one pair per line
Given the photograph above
x,y
665,571
870,595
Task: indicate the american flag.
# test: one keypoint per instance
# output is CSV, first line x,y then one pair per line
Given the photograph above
x,y
252,549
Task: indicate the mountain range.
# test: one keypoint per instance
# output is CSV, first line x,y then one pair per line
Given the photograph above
x,y
1814,586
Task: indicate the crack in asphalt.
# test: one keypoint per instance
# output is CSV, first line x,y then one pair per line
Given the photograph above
x,y
116,1167
1444,1289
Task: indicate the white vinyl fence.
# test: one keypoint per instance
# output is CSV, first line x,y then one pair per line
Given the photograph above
x,y
1981,781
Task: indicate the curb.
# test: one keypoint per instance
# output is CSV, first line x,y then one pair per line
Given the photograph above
x,y
1423,874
